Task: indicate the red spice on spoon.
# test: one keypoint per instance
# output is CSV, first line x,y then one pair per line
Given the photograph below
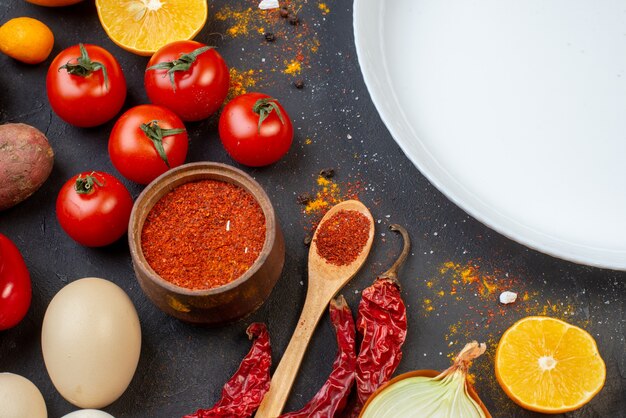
x,y
203,234
341,238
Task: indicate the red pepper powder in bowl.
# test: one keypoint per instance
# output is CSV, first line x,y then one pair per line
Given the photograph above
x,y
341,238
203,234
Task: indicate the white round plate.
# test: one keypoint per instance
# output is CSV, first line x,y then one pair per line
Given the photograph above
x,y
515,110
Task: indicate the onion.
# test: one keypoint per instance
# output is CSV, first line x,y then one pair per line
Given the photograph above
x,y
426,394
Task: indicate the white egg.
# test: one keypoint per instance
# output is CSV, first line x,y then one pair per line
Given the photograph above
x,y
91,340
88,413
19,398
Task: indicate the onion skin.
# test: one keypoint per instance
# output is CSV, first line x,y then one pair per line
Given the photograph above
x,y
425,373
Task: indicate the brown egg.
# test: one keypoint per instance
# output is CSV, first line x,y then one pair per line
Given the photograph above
x,y
91,340
19,397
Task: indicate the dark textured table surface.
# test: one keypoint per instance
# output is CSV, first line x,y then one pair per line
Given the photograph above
x,y
451,281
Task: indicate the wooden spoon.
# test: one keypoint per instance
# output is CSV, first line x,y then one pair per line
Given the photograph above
x,y
325,281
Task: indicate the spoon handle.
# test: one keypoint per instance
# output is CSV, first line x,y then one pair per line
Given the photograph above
x,y
285,374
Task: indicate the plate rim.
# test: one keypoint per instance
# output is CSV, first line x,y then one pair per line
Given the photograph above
x,y
565,252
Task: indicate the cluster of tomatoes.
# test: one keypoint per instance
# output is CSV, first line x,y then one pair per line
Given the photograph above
x,y
184,81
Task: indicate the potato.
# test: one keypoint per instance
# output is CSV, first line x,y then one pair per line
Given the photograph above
x,y
25,162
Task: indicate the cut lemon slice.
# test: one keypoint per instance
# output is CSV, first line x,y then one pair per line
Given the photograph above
x,y
547,365
144,26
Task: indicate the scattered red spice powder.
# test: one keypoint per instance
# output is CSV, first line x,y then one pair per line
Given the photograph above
x,y
203,234
341,238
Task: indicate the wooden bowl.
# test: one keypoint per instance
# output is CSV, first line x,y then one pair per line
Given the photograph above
x,y
225,303
424,373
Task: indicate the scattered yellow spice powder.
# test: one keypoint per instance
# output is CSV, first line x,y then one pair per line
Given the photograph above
x,y
315,205
240,19
428,305
448,265
323,181
314,45
489,288
328,195
292,67
240,82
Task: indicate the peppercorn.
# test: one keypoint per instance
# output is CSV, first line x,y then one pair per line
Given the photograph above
x,y
299,84
284,12
269,37
293,19
307,240
304,199
327,173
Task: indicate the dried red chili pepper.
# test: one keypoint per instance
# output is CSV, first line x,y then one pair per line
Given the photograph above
x,y
382,322
333,395
243,393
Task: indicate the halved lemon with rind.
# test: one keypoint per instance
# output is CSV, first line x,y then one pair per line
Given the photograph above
x,y
144,26
549,366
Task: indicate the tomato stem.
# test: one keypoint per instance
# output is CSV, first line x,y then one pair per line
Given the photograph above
x,y
183,63
84,66
156,134
263,108
84,185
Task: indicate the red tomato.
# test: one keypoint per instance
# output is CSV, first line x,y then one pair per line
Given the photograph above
x,y
78,90
147,141
195,89
15,289
94,208
255,129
